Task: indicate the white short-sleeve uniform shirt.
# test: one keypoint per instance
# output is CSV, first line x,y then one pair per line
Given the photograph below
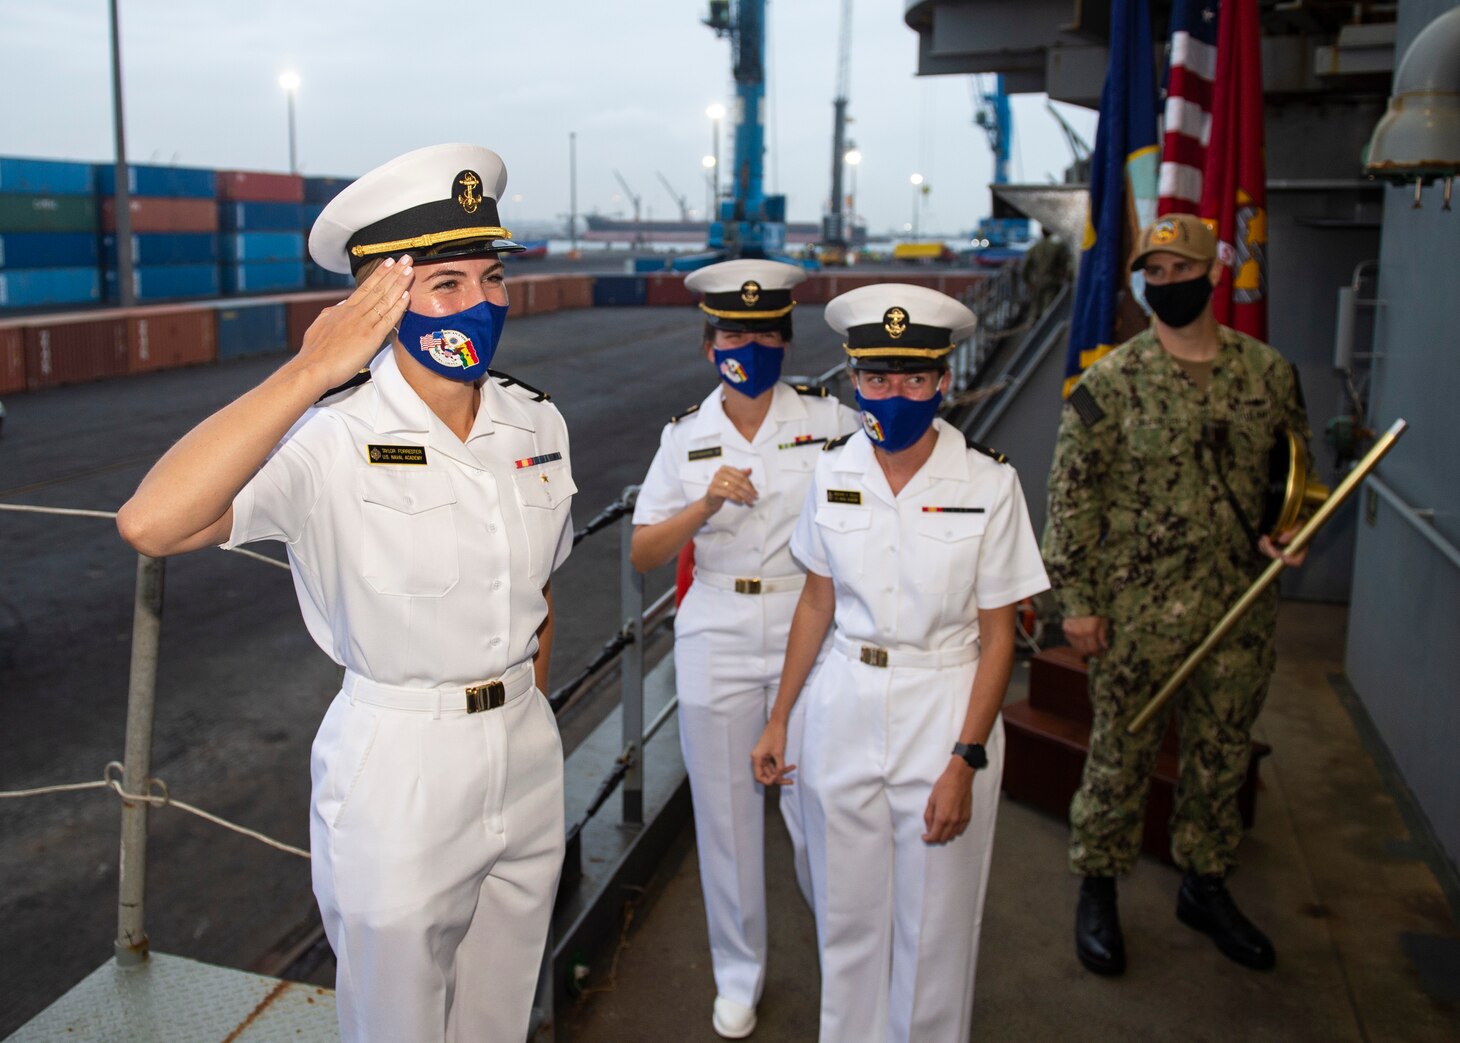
x,y
911,572
419,560
739,540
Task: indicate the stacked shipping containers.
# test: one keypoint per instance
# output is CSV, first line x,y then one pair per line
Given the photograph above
x,y
48,252
261,216
317,192
174,241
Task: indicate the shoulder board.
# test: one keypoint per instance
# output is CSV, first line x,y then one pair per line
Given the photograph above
x,y
807,389
992,453
363,377
677,417
507,381
836,443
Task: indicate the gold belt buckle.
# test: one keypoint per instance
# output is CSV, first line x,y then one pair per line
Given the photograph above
x,y
874,656
747,586
489,696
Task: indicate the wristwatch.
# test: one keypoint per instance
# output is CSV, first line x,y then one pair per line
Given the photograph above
x,y
972,753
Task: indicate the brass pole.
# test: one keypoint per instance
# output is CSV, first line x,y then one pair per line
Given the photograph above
x,y
1335,500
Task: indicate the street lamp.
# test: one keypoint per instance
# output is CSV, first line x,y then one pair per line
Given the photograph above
x,y
917,183
716,112
709,163
290,82
853,160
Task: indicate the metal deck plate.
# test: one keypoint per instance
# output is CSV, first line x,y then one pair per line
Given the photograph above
x,y
172,1000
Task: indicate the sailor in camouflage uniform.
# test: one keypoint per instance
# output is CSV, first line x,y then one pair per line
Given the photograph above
x,y
1156,486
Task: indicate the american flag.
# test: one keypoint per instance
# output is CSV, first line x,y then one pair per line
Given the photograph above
x,y
1188,115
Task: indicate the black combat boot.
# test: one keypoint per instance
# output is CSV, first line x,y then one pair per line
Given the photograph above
x,y
1098,941
1204,904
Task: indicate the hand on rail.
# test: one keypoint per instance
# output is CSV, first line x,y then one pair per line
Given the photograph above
x,y
347,336
733,484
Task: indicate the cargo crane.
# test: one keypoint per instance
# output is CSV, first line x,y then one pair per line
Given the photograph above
x,y
635,200
680,201
835,235
1005,229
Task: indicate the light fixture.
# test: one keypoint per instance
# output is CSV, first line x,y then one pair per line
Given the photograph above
x,y
1418,139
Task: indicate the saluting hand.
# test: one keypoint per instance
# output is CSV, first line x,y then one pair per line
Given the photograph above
x,y
344,338
767,759
733,484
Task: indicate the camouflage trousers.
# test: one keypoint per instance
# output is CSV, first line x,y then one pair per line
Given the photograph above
x,y
1216,709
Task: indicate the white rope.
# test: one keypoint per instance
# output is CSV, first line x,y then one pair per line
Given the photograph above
x,y
77,512
162,799
74,511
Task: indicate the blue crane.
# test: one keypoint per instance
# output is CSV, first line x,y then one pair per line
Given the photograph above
x,y
991,112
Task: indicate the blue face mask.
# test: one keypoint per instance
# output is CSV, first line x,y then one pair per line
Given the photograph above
x,y
459,347
893,424
750,369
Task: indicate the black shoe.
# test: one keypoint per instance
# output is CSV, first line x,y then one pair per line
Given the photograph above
x,y
1098,941
1205,905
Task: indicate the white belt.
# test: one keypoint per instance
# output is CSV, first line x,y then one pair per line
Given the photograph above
x,y
750,584
476,698
871,655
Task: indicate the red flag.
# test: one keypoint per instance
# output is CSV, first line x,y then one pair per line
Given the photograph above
x,y
1234,182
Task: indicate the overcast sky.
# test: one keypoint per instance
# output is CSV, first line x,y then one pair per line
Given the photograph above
x,y
631,78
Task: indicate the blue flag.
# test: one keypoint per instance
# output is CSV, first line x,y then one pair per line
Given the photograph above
x,y
1122,185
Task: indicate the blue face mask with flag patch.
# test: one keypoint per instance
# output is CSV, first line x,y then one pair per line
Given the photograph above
x,y
459,347
750,369
893,424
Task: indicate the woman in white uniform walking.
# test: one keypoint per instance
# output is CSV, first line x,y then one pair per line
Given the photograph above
x,y
917,545
423,510
731,474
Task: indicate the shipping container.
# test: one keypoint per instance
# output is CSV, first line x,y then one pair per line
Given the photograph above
x,y
252,329
813,290
956,285
262,276
618,291
43,213
309,213
168,282
255,186
543,295
169,338
12,358
302,310
71,350
145,180
317,278
262,246
48,249
261,217
154,248
46,177
38,287
161,214
575,291
668,291
323,189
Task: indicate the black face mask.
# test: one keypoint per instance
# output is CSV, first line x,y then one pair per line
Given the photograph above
x,y
1178,304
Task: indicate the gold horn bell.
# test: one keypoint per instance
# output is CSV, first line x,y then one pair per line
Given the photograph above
x,y
1294,491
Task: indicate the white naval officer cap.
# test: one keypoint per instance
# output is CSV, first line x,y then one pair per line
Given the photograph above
x,y
436,202
746,295
892,327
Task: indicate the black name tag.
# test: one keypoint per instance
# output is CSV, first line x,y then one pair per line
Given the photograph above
x,y
704,454
843,496
396,454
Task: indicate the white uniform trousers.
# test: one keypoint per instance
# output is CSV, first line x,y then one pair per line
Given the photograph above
x,y
437,839
728,653
897,919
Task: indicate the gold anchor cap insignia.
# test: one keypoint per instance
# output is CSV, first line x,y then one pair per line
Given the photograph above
x,y
470,196
894,321
750,293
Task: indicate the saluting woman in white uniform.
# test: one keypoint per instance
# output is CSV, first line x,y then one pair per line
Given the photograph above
x,y
731,474
917,545
423,510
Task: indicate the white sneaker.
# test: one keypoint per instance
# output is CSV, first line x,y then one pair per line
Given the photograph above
x,y
733,1020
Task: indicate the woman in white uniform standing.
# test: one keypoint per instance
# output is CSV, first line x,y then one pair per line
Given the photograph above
x,y
918,545
731,474
423,510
